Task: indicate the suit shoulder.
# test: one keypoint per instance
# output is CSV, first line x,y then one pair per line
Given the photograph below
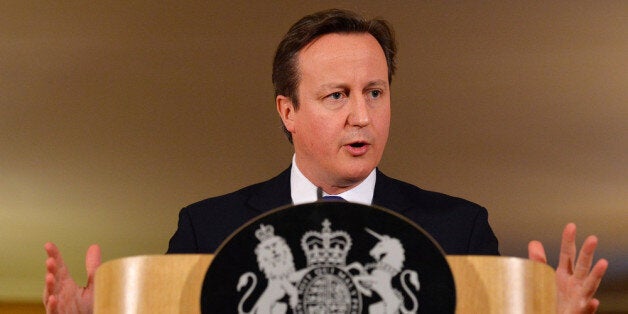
x,y
261,195
458,225
432,199
238,196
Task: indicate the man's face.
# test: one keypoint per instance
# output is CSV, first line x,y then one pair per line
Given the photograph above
x,y
341,127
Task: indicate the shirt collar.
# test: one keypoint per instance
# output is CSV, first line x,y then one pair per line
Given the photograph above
x,y
303,190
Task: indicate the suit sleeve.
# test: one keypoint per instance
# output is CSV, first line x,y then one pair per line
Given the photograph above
x,y
483,241
184,239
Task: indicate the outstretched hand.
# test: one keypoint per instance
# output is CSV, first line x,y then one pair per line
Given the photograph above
x,y
576,280
61,293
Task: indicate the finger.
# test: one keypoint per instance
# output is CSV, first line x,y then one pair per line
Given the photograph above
x,y
49,282
55,255
52,250
49,286
47,289
536,252
585,258
567,249
592,305
51,305
592,282
52,267
92,261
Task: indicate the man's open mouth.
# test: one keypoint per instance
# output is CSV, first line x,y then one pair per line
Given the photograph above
x,y
357,145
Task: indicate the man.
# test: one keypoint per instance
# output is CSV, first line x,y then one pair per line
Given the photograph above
x,y
332,74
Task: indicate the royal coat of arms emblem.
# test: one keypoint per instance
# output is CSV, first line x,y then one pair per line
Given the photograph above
x,y
328,284
329,257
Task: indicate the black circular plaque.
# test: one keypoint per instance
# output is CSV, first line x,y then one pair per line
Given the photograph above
x,y
329,257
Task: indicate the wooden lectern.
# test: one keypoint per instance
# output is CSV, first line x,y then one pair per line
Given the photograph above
x,y
172,284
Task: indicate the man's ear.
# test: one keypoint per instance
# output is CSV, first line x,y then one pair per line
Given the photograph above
x,y
286,111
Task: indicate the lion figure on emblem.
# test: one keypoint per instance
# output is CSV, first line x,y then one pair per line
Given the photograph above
x,y
275,260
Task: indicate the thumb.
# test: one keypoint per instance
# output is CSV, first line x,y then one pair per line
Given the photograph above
x,y
92,261
536,252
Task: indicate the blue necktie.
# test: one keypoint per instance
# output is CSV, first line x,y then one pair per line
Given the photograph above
x,y
333,198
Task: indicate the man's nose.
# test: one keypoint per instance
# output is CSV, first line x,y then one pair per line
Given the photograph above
x,y
359,112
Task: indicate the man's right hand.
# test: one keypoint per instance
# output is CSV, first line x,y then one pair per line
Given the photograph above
x,y
61,293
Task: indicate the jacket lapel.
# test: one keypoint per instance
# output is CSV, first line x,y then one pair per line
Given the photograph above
x,y
387,194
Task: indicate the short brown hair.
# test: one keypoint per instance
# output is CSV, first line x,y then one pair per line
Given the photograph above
x,y
313,26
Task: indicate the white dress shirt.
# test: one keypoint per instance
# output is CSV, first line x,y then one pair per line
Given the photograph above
x,y
303,190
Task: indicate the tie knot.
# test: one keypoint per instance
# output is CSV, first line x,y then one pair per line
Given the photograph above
x,y
331,198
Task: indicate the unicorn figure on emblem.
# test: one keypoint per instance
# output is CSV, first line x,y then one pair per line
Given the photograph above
x,y
389,257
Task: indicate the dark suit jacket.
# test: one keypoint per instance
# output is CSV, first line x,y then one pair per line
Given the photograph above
x,y
459,226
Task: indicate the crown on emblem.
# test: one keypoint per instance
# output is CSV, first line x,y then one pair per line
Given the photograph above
x,y
326,247
264,232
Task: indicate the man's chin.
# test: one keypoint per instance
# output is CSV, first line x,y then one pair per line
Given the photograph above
x,y
357,175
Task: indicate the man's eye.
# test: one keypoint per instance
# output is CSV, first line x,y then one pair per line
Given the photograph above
x,y
336,95
376,93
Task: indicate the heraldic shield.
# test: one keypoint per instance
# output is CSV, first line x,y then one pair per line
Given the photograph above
x,y
329,257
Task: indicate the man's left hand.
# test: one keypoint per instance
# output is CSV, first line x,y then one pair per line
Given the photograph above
x,y
576,280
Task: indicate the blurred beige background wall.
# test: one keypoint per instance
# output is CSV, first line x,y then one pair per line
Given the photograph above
x,y
114,115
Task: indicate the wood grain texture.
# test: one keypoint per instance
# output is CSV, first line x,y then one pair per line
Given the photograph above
x,y
151,284
172,284
494,284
